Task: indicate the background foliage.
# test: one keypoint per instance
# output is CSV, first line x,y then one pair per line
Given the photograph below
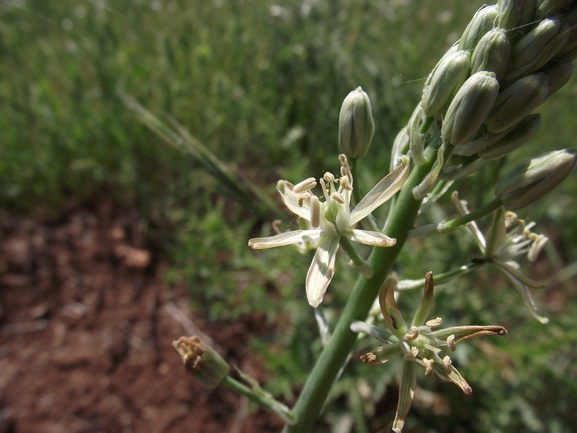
x,y
260,84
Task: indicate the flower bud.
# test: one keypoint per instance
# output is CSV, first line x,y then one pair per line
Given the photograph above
x,y
202,362
537,47
516,101
513,139
557,75
492,53
535,178
548,8
482,22
356,125
515,13
470,107
444,81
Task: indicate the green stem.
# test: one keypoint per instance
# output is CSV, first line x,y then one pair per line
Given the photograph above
x,y
455,224
351,252
309,405
272,405
441,278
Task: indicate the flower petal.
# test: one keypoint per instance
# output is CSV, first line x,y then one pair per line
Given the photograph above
x,y
525,295
464,333
454,376
406,394
291,199
367,237
382,191
424,308
287,238
391,313
510,268
497,233
321,270
461,206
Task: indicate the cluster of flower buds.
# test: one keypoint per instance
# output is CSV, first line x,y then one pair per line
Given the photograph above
x,y
512,56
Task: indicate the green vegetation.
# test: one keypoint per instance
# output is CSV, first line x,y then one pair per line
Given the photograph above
x,y
260,85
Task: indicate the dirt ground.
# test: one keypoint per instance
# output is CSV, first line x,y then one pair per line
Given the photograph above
x,y
86,331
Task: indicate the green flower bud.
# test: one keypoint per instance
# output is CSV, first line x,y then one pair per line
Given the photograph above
x,y
548,8
513,139
481,141
535,178
515,13
202,362
445,79
557,76
470,107
537,47
492,53
356,125
483,21
516,101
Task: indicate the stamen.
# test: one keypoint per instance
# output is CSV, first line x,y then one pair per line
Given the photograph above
x,y
428,367
412,334
433,323
369,358
315,212
451,342
305,185
329,177
338,197
447,364
345,183
305,196
412,354
276,226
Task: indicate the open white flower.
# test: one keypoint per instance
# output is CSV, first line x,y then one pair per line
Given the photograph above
x,y
507,238
332,219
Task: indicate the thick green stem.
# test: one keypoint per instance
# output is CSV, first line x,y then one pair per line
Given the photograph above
x,y
316,389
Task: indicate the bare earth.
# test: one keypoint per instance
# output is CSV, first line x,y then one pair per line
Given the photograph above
x,y
86,330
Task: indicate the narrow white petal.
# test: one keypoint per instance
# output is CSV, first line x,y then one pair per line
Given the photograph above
x,y
461,206
287,238
321,271
367,237
525,295
291,199
382,191
517,274
497,233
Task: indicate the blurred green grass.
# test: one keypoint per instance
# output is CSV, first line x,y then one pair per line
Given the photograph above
x,y
260,84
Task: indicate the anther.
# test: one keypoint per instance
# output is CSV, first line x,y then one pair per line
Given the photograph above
x,y
315,212
338,197
305,185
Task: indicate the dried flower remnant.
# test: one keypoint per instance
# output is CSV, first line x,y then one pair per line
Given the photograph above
x,y
420,344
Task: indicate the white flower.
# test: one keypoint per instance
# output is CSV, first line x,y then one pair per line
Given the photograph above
x,y
502,246
332,219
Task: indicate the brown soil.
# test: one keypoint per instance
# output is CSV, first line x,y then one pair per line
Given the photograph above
x,y
86,330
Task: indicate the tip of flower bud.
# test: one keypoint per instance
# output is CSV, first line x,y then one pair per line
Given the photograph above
x,y
356,125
